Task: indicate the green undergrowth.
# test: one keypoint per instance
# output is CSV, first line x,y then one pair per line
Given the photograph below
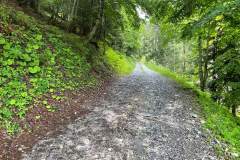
x,y
221,122
120,63
35,60
184,81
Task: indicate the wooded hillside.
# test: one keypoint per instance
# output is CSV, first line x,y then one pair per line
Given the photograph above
x,y
49,47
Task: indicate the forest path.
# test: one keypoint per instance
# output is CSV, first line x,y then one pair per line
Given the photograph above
x,y
140,117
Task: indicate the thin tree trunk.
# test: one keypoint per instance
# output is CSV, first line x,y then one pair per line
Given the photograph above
x,y
72,14
205,62
37,6
73,10
94,30
99,21
200,63
205,72
234,111
184,57
76,8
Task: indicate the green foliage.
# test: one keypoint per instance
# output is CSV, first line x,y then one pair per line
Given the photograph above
x,y
209,32
183,80
120,63
227,67
161,43
126,40
32,63
221,122
96,20
34,69
224,126
11,127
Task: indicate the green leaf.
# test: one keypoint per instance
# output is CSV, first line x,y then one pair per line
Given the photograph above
x,y
28,50
21,114
26,57
35,46
34,69
45,102
10,61
24,94
12,102
6,113
2,41
219,18
22,64
11,127
7,46
39,37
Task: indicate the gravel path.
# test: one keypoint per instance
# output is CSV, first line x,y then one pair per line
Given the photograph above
x,y
140,117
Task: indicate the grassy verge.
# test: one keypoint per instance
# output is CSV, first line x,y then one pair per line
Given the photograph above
x,y
221,122
120,63
184,81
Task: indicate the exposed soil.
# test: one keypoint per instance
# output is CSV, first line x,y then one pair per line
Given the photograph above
x,y
47,123
140,117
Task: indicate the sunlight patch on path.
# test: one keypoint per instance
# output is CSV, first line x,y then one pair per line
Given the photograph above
x,y
141,117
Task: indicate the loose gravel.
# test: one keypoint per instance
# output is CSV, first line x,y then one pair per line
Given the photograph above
x,y
144,116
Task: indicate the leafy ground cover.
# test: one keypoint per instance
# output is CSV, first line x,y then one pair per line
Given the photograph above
x,y
218,118
33,63
38,59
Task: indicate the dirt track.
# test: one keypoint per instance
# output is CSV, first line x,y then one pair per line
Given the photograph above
x,y
140,117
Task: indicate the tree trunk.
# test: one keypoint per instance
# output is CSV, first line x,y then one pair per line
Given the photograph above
x,y
200,63
94,30
205,72
234,111
184,58
99,21
73,10
205,63
70,16
35,5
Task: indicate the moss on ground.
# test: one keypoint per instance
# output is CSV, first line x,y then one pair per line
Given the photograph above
x,y
120,63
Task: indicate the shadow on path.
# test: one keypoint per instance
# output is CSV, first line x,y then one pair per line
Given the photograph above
x,y
140,117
